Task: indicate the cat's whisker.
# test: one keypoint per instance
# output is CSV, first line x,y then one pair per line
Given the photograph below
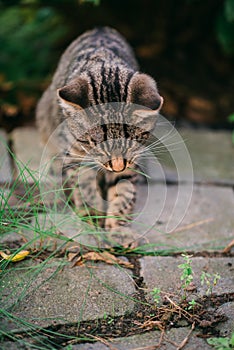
x,y
168,133
86,151
159,145
180,142
73,156
165,141
162,150
148,158
80,159
101,170
76,155
88,165
164,138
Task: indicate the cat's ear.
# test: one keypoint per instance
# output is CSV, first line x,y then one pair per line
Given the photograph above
x,y
144,94
143,91
75,94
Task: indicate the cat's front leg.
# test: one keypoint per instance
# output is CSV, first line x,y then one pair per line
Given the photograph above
x,y
84,189
120,202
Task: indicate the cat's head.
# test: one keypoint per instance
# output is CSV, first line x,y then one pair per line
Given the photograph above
x,y
111,132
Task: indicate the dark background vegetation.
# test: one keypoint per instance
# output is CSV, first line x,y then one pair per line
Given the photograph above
x,y
186,45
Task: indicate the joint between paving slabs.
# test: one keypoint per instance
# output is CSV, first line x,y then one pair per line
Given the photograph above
x,y
117,326
138,279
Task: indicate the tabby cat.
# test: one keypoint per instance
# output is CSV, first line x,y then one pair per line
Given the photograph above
x,y
106,110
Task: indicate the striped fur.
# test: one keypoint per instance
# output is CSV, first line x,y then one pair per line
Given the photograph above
x,y
97,69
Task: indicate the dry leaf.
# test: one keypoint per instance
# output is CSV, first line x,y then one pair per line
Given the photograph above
x,y
72,256
103,256
15,257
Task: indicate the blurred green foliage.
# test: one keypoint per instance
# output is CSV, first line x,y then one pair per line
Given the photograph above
x,y
95,2
30,31
225,27
33,33
28,36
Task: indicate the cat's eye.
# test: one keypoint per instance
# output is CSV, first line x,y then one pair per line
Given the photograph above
x,y
86,142
145,135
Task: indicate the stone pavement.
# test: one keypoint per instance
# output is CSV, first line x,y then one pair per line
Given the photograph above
x,y
102,303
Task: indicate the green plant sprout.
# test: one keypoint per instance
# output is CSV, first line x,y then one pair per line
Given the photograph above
x,y
221,343
192,303
187,273
107,318
210,281
156,293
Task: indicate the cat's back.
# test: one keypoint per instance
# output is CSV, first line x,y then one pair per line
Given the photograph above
x,y
96,49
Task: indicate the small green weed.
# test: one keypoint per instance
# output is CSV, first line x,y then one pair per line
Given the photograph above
x,y
187,273
192,303
210,280
107,318
156,293
221,343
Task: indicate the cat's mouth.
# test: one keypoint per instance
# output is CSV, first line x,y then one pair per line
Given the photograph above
x,y
117,164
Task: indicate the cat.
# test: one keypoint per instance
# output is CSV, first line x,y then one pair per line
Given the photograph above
x,y
106,108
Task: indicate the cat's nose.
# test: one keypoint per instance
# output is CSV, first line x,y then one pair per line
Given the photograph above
x,y
118,164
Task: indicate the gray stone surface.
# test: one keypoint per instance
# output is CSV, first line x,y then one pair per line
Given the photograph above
x,y
8,345
143,341
5,163
42,232
28,149
205,223
10,237
211,152
163,273
227,328
53,293
36,234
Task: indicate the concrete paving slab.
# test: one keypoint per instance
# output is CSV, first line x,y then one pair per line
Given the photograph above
x,y
54,293
42,231
207,225
5,162
28,150
163,273
168,220
8,345
143,341
211,152
227,328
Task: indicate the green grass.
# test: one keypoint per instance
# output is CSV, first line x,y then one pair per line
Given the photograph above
x,y
21,281
28,219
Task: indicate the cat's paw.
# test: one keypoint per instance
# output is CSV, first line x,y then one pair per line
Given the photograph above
x,y
111,223
121,236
